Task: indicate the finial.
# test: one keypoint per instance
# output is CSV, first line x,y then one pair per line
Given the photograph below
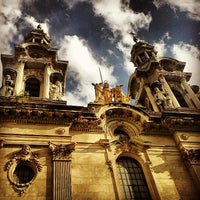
x,y
135,39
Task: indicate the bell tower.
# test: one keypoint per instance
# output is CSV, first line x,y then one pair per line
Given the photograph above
x,y
34,70
160,83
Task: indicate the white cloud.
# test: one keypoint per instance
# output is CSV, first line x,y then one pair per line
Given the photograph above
x,y
161,46
121,20
192,7
191,55
83,68
9,13
34,23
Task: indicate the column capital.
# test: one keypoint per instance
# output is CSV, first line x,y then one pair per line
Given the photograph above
x,y
62,152
191,156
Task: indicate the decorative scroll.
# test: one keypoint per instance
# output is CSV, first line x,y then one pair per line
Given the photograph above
x,y
26,157
62,152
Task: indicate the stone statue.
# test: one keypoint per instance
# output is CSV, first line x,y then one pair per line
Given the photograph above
x,y
55,92
107,93
98,92
162,98
119,96
7,87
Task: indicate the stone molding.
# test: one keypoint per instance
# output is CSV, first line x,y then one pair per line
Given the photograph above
x,y
86,124
62,152
26,116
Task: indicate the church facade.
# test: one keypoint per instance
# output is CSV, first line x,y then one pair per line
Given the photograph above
x,y
108,150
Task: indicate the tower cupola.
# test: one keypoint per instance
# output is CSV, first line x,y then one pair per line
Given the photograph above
x,y
38,36
159,83
34,70
142,54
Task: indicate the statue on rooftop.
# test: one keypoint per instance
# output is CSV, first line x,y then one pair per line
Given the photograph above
x,y
107,93
98,87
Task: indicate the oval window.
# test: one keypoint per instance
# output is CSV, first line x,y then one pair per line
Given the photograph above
x,y
23,173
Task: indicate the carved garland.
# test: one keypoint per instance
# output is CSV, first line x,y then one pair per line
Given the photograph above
x,y
27,158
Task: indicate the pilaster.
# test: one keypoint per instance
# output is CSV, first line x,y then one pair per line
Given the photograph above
x,y
61,170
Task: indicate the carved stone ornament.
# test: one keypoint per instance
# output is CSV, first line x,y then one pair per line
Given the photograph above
x,y
128,146
62,152
22,160
191,156
1,143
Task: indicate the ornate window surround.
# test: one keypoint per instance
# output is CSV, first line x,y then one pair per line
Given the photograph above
x,y
25,157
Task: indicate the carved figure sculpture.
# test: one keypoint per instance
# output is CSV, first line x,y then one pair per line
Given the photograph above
x,y
7,87
55,92
107,93
98,92
162,99
119,96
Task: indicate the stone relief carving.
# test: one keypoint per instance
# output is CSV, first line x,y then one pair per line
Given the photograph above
x,y
62,152
23,157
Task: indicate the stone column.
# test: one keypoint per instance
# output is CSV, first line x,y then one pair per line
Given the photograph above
x,y
191,93
46,82
61,171
170,93
19,80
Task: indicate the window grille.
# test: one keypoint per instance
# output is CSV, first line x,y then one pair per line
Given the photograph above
x,y
132,179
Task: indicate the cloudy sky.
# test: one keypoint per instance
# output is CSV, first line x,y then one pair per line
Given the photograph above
x,y
94,34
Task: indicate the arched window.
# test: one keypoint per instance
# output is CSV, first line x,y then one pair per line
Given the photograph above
x,y
33,87
132,179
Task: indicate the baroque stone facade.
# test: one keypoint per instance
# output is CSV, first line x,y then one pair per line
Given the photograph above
x,y
107,150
